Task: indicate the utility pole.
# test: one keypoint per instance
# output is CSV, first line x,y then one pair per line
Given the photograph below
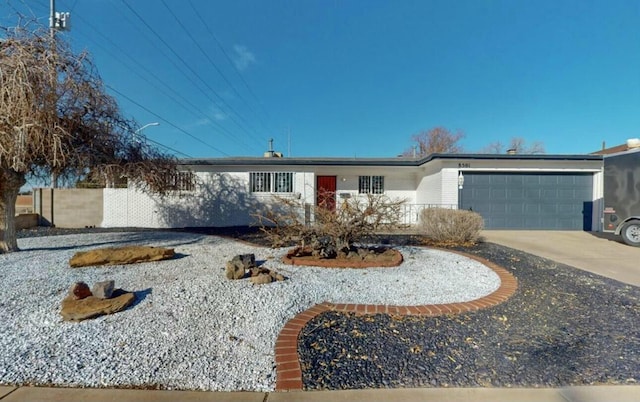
x,y
57,21
52,18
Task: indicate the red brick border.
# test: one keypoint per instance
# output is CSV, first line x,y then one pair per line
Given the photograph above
x,y
291,259
288,370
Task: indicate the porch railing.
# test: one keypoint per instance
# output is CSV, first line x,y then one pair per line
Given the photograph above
x,y
412,211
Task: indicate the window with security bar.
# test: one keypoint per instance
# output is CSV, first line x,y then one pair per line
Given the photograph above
x,y
180,181
371,184
271,182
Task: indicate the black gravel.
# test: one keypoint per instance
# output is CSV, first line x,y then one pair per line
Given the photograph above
x,y
562,327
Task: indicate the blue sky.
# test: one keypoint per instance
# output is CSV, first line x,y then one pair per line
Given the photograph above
x,y
357,78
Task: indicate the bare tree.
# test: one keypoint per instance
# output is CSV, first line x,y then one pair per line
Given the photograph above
x,y
56,118
493,148
517,145
520,146
436,140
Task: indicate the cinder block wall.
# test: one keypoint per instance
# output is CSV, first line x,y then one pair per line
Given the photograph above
x,y
69,207
42,205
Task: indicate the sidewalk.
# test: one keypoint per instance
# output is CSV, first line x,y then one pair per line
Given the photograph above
x,y
622,393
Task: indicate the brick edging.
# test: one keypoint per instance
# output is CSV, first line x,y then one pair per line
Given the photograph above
x,y
288,370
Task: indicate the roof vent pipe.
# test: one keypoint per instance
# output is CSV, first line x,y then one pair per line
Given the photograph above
x,y
270,153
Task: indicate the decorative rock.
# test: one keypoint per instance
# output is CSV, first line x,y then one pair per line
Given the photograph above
x,y
235,270
238,266
276,276
120,256
90,307
79,290
247,260
103,290
261,279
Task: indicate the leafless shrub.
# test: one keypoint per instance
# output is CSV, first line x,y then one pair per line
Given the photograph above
x,y
330,227
451,226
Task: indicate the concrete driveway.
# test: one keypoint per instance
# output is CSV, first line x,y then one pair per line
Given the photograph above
x,y
599,253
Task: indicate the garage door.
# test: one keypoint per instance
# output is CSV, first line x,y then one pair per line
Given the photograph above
x,y
530,201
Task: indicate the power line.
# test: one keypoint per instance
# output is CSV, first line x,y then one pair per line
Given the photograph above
x,y
190,69
174,94
210,120
226,55
165,120
175,151
206,55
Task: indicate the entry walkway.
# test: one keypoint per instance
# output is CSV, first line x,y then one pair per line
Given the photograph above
x,y
599,253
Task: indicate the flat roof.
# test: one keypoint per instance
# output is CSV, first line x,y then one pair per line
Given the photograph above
x,y
398,161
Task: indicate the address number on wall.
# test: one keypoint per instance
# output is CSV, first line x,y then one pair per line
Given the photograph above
x,y
464,165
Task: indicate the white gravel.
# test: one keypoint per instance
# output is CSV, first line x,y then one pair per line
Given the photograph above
x,y
191,328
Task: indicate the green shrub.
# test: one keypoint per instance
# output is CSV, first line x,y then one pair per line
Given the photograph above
x,y
450,226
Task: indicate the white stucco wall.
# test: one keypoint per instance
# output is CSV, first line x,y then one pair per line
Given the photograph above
x,y
449,189
220,200
223,198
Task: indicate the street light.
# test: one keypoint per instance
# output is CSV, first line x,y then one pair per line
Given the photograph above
x,y
155,123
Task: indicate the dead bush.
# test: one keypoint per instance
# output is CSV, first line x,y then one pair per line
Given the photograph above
x,y
451,226
332,227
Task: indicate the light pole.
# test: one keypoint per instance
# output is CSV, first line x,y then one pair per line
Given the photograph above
x,y
155,123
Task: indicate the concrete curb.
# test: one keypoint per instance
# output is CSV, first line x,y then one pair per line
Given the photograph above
x,y
618,393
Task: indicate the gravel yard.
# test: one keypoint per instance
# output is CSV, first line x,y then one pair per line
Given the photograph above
x,y
562,327
190,327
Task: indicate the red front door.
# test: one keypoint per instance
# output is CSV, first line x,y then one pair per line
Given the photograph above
x,y
326,192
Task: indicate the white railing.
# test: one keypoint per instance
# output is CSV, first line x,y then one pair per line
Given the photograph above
x,y
412,211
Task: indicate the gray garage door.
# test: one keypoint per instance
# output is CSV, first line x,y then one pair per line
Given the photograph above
x,y
530,201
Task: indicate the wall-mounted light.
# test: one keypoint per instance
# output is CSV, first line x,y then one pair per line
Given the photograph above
x,y
460,180
344,179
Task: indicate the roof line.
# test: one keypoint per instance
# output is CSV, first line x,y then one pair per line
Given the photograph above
x,y
406,162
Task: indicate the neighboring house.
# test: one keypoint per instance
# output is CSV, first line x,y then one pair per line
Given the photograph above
x,y
559,192
632,143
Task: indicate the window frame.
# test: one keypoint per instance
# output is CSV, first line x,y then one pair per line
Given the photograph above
x,y
271,182
373,184
181,182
